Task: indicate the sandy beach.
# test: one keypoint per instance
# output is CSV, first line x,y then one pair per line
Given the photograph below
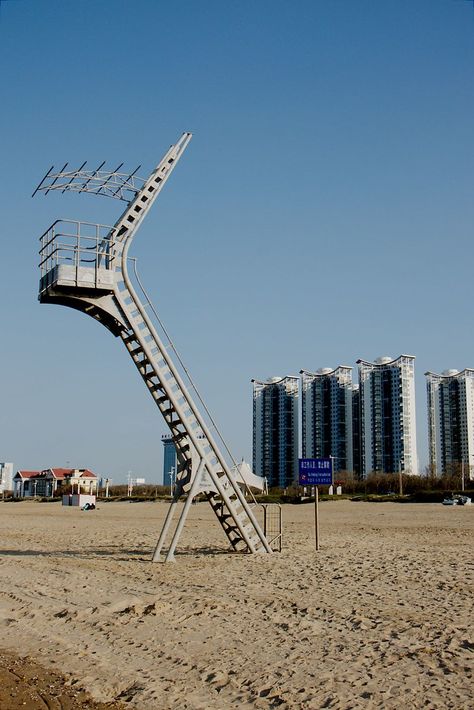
x,y
381,617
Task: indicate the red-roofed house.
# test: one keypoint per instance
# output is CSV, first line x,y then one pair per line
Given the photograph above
x,y
51,481
23,483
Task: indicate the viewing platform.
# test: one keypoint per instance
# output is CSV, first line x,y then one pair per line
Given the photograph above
x,y
76,255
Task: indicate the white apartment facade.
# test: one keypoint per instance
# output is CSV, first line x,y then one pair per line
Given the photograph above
x,y
450,399
387,415
327,421
275,430
6,477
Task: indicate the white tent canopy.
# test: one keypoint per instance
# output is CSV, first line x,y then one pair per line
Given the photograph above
x,y
242,473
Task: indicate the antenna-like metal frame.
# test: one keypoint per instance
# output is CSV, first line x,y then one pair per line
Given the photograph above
x,y
109,183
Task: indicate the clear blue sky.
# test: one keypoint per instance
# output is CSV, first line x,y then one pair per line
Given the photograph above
x,y
323,211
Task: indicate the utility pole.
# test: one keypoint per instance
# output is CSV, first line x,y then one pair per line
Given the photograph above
x,y
316,517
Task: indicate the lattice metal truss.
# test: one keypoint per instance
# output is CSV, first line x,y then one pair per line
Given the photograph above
x,y
109,183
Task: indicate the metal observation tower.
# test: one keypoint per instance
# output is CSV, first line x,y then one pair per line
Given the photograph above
x,y
84,266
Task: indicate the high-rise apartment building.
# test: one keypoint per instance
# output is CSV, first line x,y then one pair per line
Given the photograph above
x,y
169,459
451,421
327,426
6,477
387,415
275,430
356,433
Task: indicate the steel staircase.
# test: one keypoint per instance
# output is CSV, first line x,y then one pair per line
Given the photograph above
x,y
89,273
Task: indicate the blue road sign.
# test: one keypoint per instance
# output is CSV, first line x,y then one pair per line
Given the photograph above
x,y
315,472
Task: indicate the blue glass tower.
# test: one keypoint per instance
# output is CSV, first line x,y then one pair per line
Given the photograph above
x,y
169,459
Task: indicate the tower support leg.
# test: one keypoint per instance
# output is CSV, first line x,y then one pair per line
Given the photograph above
x,y
165,528
192,492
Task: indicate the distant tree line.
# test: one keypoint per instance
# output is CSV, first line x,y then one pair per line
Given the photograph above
x,y
376,483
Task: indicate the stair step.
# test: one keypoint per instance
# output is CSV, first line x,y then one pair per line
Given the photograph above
x,y
150,375
169,411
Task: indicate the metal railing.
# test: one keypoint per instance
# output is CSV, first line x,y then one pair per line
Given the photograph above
x,y
78,244
273,525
